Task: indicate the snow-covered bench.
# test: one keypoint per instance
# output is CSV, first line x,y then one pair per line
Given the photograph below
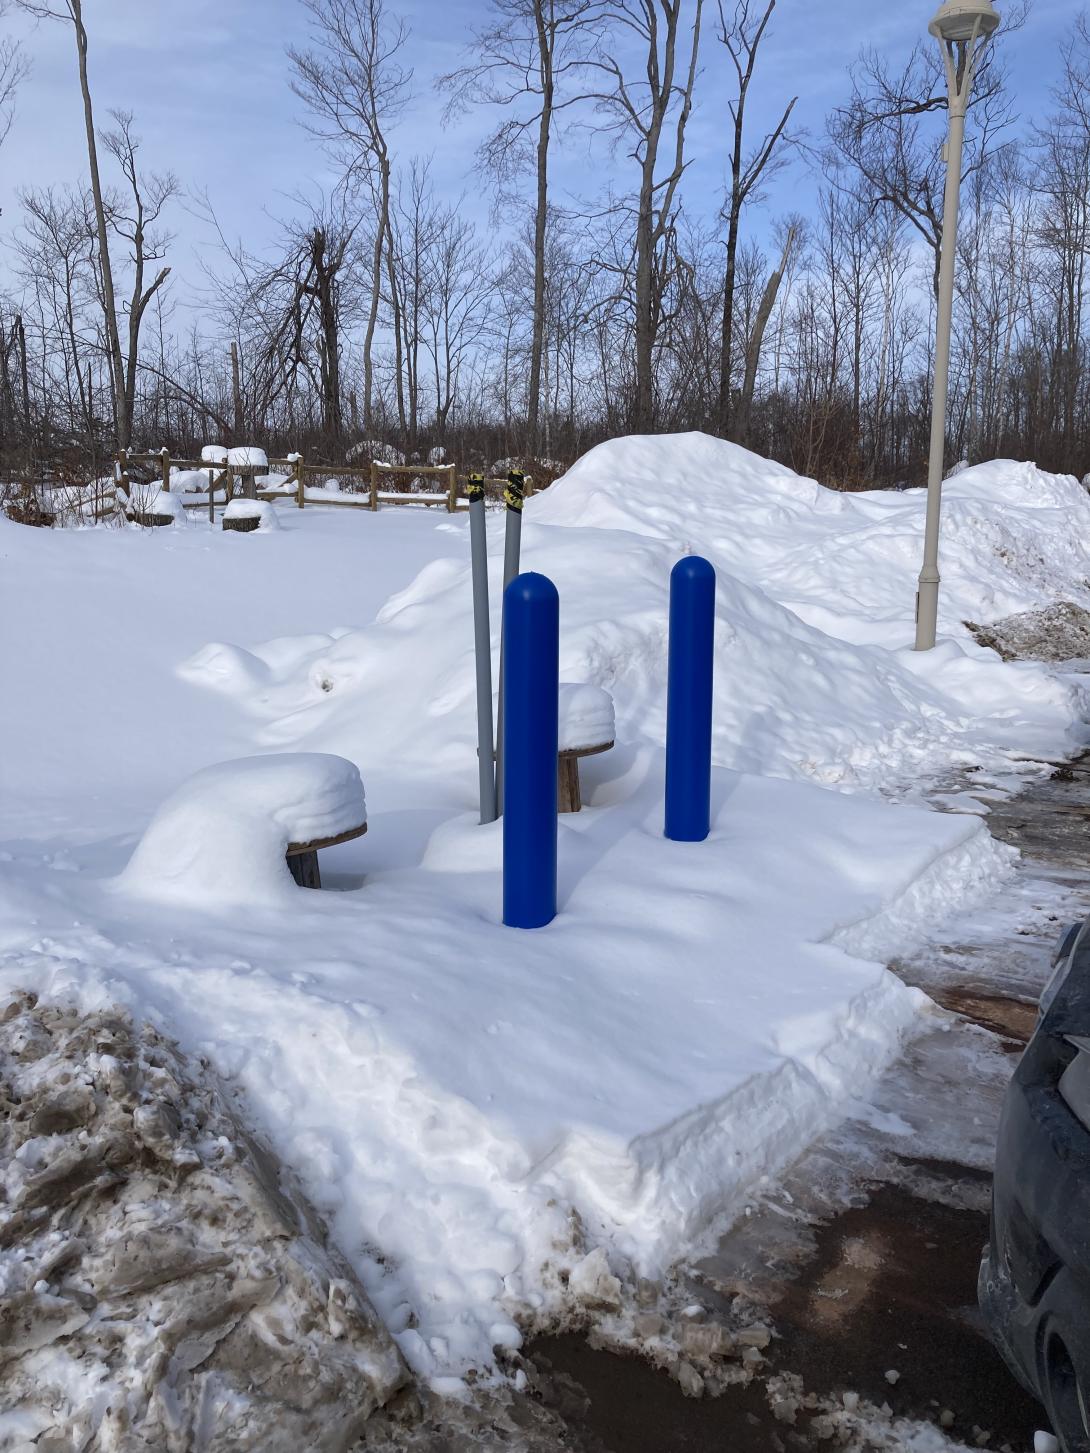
x,y
238,832
587,727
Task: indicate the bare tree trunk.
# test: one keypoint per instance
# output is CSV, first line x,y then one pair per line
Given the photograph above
x,y
756,339
236,392
122,418
541,214
742,38
382,222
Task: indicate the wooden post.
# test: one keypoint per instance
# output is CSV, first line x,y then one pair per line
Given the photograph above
x,y
300,484
452,492
374,485
164,457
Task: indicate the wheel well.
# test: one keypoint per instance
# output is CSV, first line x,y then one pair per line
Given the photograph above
x,y
1062,1394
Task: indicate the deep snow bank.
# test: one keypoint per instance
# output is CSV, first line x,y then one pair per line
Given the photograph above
x,y
476,1109
815,677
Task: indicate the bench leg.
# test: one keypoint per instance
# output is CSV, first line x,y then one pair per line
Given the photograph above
x,y
568,798
304,869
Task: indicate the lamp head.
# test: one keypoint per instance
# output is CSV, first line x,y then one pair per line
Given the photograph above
x,y
956,20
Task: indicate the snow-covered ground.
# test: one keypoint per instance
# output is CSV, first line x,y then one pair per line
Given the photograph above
x,y
474,1108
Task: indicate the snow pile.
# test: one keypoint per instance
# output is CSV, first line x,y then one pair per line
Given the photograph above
x,y
1013,536
801,692
262,510
247,456
214,454
165,504
1059,632
189,481
586,716
162,1281
220,839
437,455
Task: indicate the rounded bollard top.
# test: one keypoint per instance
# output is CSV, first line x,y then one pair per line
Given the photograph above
x,y
693,567
531,588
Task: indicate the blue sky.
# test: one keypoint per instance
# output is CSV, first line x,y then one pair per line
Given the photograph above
x,y
207,81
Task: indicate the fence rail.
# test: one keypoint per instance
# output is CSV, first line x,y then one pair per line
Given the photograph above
x,y
297,473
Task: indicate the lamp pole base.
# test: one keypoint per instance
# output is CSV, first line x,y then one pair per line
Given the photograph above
x,y
927,609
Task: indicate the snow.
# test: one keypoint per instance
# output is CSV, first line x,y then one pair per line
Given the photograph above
x,y
214,454
374,449
478,1117
247,456
220,838
251,509
165,503
189,481
586,716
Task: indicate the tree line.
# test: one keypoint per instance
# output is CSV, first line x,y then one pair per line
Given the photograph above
x,y
379,318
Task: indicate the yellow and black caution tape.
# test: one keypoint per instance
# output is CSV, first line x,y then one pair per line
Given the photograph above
x,y
512,495
475,488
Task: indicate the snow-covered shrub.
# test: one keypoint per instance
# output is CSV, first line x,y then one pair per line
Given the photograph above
x,y
374,449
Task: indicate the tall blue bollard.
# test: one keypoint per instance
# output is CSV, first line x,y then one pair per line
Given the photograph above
x,y
531,669
689,701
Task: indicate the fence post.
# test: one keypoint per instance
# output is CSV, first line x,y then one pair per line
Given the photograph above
x,y
531,612
300,481
482,648
512,559
452,492
689,700
374,485
164,459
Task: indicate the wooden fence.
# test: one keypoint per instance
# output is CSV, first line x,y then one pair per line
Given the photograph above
x,y
378,481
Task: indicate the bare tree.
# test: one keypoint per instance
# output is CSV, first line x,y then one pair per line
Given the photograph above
x,y
71,12
895,156
741,34
13,69
643,106
791,235
134,221
355,86
529,50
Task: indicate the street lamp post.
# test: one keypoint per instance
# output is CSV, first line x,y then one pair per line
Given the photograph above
x,y
962,28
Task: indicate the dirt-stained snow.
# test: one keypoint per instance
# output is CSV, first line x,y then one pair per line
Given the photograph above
x,y
163,1284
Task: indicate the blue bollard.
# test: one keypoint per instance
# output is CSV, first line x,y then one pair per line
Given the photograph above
x,y
531,671
689,701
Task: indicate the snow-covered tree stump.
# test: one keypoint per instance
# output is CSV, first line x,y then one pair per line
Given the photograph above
x,y
250,514
587,727
164,509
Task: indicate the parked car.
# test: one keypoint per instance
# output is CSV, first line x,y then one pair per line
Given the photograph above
x,y
1035,1274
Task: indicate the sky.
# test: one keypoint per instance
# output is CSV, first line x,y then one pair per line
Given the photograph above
x,y
208,83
